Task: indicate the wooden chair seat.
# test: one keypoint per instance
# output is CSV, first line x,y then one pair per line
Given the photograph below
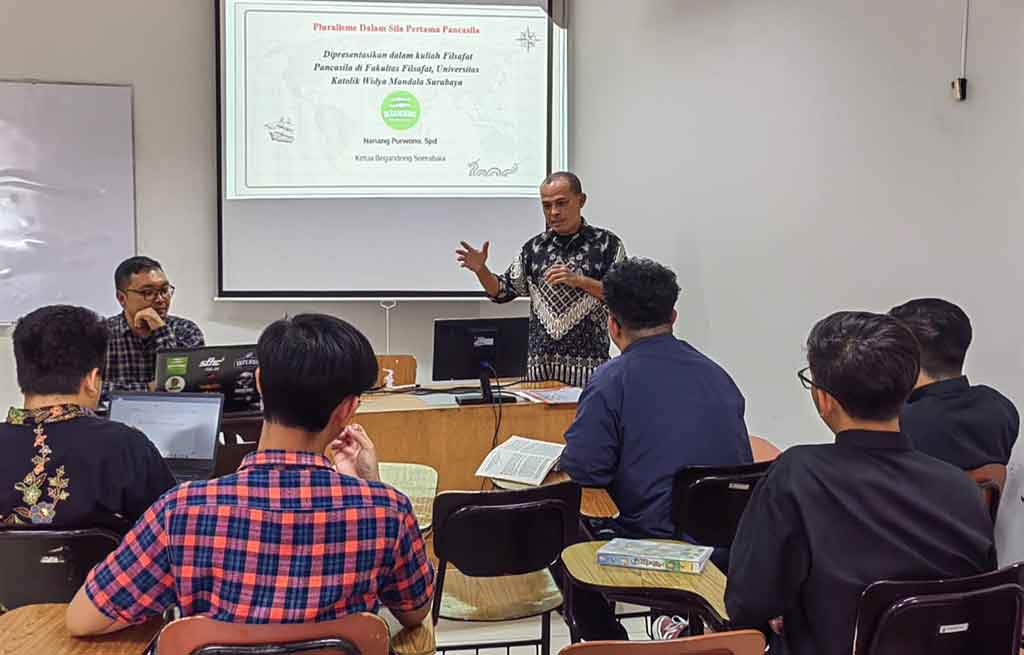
x,y
504,598
365,633
418,640
740,642
763,450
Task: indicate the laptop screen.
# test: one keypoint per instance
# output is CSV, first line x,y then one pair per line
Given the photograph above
x,y
181,426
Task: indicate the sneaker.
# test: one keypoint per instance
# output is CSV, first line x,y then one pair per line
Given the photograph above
x,y
668,627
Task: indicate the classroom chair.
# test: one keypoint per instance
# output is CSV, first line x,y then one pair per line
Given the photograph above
x,y
708,501
975,615
990,479
738,642
355,634
48,566
402,370
499,545
763,450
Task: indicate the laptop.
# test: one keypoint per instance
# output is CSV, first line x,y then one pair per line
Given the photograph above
x,y
228,370
183,426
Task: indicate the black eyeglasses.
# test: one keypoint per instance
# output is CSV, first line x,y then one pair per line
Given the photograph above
x,y
149,295
807,382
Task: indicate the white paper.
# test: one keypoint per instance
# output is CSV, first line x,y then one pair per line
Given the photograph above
x,y
562,395
521,460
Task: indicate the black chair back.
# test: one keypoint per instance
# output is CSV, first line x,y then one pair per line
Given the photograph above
x,y
708,501
976,614
494,533
48,566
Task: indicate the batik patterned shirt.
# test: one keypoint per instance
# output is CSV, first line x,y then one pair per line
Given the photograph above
x,y
568,326
64,467
131,360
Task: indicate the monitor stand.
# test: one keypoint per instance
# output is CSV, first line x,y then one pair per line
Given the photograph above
x,y
486,395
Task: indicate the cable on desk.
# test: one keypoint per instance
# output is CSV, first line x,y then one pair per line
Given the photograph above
x,y
496,409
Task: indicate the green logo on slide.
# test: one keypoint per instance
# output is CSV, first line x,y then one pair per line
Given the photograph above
x,y
400,110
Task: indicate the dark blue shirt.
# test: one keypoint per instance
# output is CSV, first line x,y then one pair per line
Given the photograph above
x,y
658,407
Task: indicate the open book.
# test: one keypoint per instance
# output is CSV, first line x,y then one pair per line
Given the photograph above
x,y
521,460
559,396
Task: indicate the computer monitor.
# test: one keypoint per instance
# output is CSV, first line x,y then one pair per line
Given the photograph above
x,y
228,370
479,348
183,426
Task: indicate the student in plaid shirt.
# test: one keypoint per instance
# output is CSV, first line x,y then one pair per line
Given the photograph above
x,y
145,327
291,537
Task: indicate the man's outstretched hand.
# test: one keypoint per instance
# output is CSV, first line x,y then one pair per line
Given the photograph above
x,y
471,258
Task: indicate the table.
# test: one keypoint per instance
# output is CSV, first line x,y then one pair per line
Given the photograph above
x,y
418,482
704,591
39,629
454,439
594,503
451,439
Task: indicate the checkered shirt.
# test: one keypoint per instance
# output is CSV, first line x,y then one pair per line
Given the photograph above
x,y
286,539
131,361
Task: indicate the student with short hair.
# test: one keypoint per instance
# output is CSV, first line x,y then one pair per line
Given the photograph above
x,y
828,520
291,536
660,406
62,466
945,416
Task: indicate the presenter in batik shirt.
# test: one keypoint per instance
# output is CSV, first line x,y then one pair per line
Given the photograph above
x,y
561,270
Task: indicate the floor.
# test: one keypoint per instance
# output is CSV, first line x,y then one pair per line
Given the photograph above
x,y
460,632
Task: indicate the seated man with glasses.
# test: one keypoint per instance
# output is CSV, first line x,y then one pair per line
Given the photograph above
x,y
830,519
144,327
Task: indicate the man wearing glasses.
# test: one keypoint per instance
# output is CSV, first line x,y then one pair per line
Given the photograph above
x,y
830,519
145,327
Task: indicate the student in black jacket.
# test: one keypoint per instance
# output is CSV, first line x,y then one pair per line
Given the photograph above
x,y
830,519
967,426
61,465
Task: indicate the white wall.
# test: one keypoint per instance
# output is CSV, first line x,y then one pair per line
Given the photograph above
x,y
166,49
786,158
790,159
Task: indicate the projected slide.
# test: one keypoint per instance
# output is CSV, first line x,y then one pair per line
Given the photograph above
x,y
345,99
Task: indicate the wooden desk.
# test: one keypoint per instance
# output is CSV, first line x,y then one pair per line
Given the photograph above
x,y
418,482
453,439
39,630
415,641
706,588
594,503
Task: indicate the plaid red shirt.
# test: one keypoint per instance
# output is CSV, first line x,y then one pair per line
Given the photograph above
x,y
286,539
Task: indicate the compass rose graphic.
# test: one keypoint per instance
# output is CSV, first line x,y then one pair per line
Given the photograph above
x,y
528,40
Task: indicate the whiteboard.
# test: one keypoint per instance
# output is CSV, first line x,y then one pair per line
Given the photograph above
x,y
67,194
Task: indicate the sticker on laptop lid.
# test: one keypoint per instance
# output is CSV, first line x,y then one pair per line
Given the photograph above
x,y
177,365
